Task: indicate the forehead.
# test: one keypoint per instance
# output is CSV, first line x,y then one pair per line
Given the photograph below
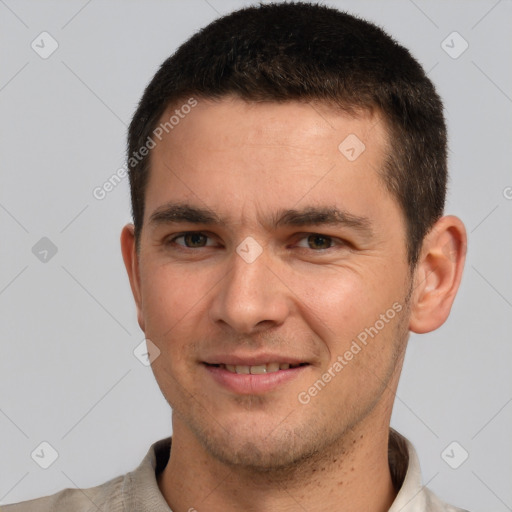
x,y
240,123
266,154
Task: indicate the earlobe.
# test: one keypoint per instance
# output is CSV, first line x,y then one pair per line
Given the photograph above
x,y
131,263
438,274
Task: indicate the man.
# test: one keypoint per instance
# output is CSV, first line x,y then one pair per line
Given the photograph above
x,y
288,178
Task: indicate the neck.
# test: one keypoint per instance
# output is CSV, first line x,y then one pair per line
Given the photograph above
x,y
352,476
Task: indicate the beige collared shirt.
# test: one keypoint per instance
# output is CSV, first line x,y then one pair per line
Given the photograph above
x,y
138,490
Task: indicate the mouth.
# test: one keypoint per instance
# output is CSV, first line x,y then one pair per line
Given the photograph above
x,y
256,369
254,379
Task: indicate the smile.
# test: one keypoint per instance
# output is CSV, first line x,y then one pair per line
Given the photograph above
x,y
254,379
257,369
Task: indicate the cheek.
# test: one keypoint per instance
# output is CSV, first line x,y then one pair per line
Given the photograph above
x,y
330,297
172,306
170,298
331,307
339,305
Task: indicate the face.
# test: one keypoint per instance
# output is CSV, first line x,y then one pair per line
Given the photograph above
x,y
272,276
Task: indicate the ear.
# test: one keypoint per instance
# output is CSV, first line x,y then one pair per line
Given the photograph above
x,y
131,262
438,274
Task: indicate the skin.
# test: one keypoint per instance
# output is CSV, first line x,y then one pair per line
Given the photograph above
x,y
304,297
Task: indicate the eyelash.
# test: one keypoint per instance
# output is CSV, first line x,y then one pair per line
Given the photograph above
x,y
334,241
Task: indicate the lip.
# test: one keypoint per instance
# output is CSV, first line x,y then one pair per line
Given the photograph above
x,y
252,384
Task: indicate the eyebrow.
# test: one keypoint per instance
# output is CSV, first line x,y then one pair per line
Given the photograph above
x,y
317,216
175,213
309,216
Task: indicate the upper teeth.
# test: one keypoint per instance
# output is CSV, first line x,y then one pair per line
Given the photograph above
x,y
261,368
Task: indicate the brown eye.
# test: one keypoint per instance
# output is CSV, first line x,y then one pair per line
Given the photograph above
x,y
195,240
192,240
319,242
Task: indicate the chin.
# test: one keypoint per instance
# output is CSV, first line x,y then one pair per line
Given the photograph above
x,y
277,450
261,457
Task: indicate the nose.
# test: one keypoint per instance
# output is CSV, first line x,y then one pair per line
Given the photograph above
x,y
252,296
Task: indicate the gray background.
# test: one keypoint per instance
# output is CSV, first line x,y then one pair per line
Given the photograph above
x,y
68,329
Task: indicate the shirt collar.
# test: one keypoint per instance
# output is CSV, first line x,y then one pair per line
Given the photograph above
x,y
404,462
